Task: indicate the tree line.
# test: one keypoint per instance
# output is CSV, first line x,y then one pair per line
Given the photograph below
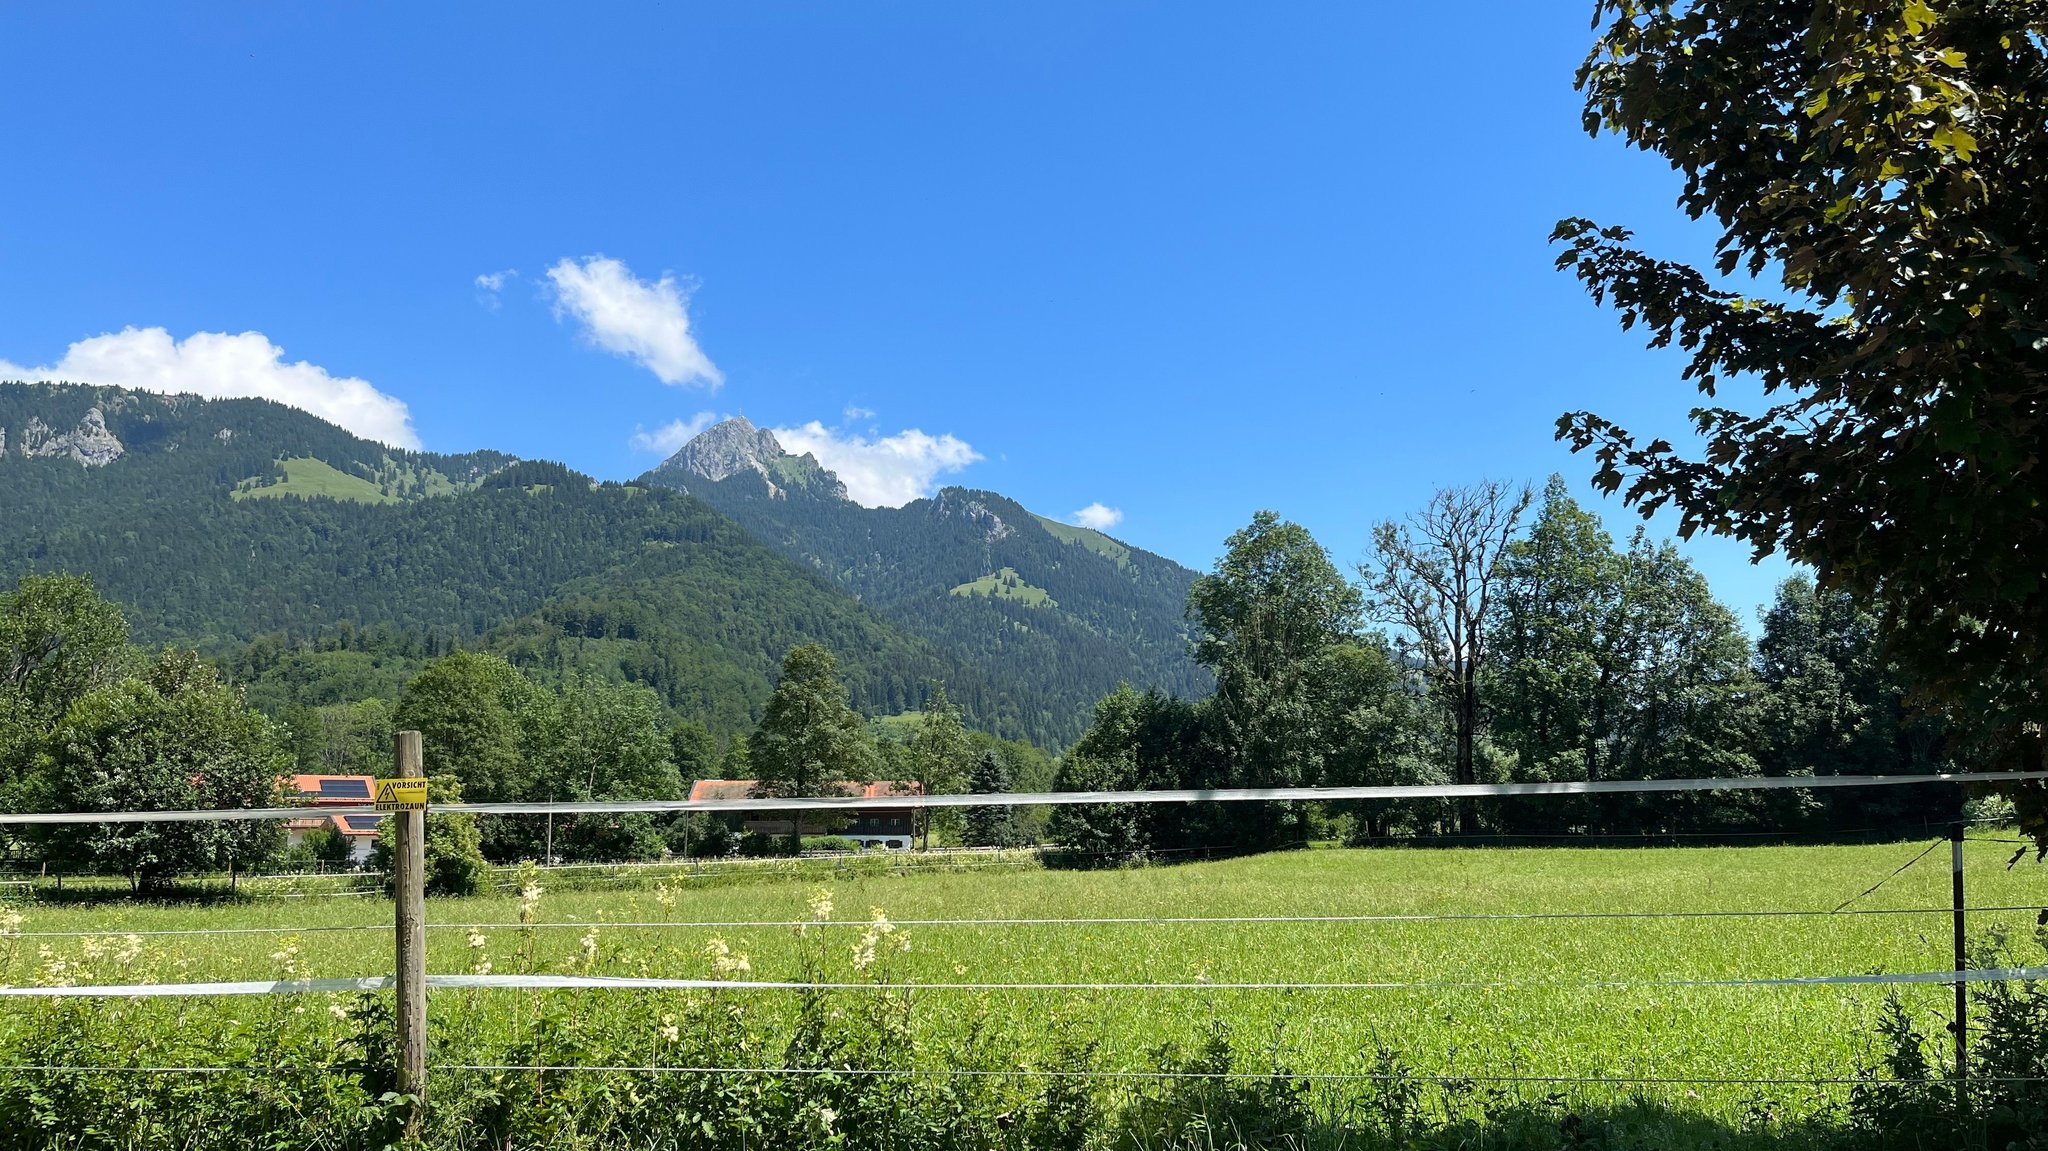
x,y
1493,636
1497,636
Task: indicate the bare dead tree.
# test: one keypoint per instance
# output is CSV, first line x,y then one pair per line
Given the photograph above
x,y
1431,576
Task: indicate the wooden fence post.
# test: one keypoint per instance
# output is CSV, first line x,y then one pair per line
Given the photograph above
x,y
409,866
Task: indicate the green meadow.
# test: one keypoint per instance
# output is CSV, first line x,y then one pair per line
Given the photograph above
x,y
1511,996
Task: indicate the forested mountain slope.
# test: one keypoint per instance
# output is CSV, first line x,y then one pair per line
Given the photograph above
x,y
216,522
181,510
1022,597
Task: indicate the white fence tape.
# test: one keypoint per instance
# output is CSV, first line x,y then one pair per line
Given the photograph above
x,y
1062,798
631,983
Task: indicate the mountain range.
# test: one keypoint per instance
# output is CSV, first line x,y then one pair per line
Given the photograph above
x,y
226,523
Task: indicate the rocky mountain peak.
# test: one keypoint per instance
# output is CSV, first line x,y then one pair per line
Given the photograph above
x,y
728,448
735,447
960,504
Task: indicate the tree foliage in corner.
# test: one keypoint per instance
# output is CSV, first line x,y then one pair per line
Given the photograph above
x,y
1886,163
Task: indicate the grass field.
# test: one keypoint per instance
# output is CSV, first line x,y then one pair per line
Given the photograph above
x,y
1524,1029
1006,584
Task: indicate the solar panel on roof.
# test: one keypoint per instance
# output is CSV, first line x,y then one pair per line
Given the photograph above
x,y
359,823
344,789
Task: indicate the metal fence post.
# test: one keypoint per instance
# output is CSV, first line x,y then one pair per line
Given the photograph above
x,y
1962,1024
409,866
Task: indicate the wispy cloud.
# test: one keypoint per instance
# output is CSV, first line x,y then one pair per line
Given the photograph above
x,y
881,471
219,365
490,284
1099,516
669,438
646,322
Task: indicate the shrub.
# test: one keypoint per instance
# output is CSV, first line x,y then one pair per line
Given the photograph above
x,y
454,850
830,843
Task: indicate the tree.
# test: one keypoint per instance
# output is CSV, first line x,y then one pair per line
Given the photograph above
x,y
603,741
174,738
1885,165
1834,703
1558,670
991,826
1433,576
1372,731
695,752
1264,621
469,709
939,756
809,738
58,641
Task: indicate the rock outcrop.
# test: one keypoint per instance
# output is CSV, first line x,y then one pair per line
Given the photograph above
x,y
957,503
90,443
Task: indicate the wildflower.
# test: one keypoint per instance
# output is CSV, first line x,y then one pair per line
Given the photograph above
x,y
590,946
337,1010
821,904
878,929
479,963
10,922
725,962
91,947
826,1118
52,971
287,957
668,1031
529,902
131,950
665,896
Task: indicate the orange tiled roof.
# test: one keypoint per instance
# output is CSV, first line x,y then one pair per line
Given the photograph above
x,y
333,790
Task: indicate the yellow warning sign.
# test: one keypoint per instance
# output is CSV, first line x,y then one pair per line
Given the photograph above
x,y
401,795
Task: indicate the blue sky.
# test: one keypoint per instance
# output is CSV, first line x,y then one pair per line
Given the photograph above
x,y
1181,260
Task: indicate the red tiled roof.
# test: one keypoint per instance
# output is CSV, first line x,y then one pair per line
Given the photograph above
x,y
730,789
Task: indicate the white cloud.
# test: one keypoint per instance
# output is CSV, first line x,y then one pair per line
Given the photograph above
x,y
885,471
671,436
648,323
490,284
1099,516
218,365
854,413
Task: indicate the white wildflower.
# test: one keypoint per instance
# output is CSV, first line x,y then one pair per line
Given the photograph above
x,y
131,950
529,901
337,1010
10,922
878,929
725,962
821,904
668,1030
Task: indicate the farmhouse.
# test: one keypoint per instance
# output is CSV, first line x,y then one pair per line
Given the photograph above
x,y
871,827
317,791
